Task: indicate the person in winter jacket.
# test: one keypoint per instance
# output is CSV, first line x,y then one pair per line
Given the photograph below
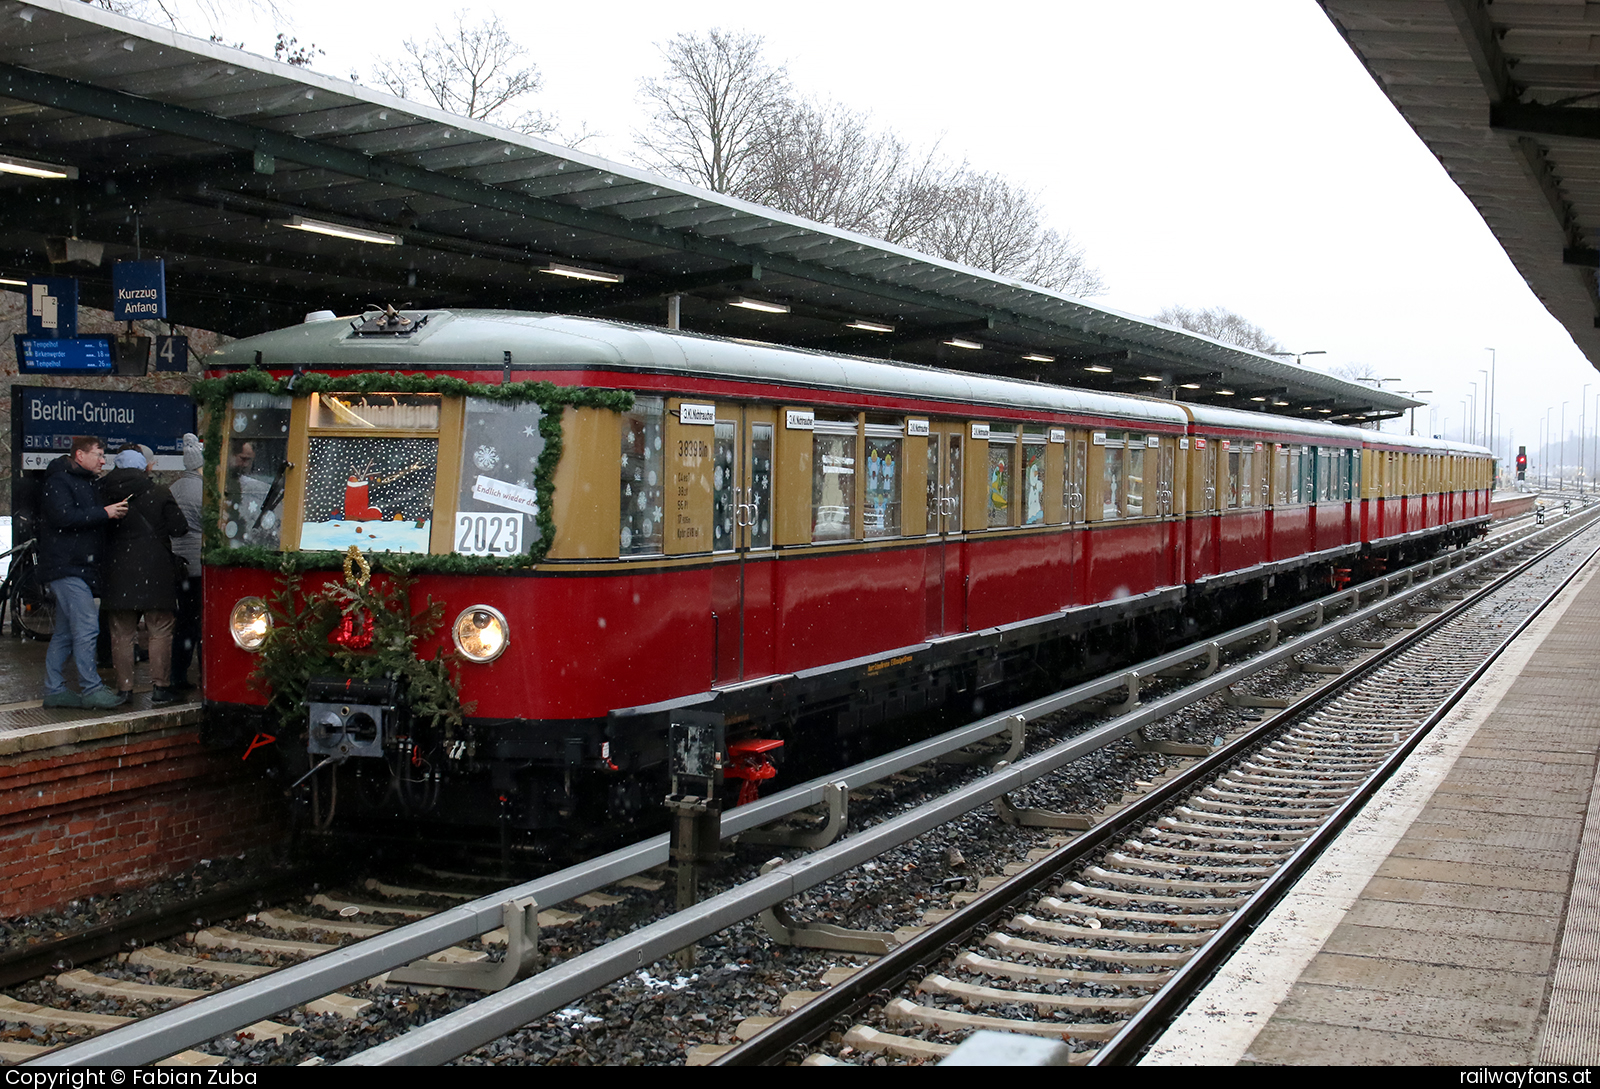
x,y
140,576
188,491
74,519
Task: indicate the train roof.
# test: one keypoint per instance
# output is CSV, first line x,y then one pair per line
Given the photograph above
x,y
1266,423
1425,444
480,338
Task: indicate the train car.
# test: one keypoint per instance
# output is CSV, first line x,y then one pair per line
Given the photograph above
x,y
1271,501
466,566
1420,493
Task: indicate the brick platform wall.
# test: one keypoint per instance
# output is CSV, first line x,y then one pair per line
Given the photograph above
x,y
118,803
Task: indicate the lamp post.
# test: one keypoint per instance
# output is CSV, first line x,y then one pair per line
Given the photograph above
x,y
1484,404
1561,467
1583,435
1492,389
1413,393
1300,355
1546,473
1472,430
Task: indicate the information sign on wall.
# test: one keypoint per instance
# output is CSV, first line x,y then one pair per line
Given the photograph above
x,y
66,355
138,290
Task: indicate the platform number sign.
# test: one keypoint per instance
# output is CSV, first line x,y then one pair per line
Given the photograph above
x,y
172,354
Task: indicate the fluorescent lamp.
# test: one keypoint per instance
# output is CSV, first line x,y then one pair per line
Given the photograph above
x,y
1226,392
1035,357
970,345
33,168
1191,385
1258,398
7,281
1095,368
337,230
1280,403
762,305
1149,378
576,273
869,326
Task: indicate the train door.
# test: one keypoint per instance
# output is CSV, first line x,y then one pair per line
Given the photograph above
x,y
1075,506
743,572
943,568
1166,478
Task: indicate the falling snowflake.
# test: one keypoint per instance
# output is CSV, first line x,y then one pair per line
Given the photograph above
x,y
522,483
486,457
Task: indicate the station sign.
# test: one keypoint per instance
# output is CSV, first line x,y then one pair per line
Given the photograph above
x,y
65,355
53,307
45,419
138,290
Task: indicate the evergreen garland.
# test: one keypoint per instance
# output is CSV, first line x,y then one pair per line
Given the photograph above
x,y
214,395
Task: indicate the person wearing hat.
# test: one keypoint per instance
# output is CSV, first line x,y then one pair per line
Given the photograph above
x,y
189,491
139,573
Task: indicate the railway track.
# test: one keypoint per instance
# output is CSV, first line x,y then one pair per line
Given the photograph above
x,y
1138,883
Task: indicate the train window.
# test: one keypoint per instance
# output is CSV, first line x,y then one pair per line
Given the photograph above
x,y
497,505
1133,487
1352,480
881,515
1002,473
1033,459
258,459
723,499
643,492
1112,478
1238,474
833,480
371,412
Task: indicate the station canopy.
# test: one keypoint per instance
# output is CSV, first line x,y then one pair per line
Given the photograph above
x,y
1507,96
271,191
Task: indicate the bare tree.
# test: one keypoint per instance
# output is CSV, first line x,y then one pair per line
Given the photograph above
x,y
475,71
710,107
1221,324
990,223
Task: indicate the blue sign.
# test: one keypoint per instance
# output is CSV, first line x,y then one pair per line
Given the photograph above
x,y
172,354
74,355
51,416
138,290
53,307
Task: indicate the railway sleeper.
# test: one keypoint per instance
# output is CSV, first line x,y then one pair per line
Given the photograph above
x,y
1065,932
1231,787
1245,836
1288,799
877,1042
1296,770
1177,904
976,995
901,1010
164,961
1051,951
977,964
1164,851
1202,810
1265,782
1296,814
1167,884
1135,862
1216,843
1078,911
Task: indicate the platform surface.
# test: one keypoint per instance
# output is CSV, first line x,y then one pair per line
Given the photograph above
x,y
1457,921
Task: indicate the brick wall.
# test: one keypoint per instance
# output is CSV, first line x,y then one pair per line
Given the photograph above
x,y
119,803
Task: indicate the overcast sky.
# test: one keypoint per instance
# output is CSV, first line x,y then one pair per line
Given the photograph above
x,y
1227,154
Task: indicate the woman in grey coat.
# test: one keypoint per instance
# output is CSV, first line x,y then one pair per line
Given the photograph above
x,y
139,575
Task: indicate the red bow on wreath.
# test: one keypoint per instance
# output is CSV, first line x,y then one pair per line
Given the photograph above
x,y
346,634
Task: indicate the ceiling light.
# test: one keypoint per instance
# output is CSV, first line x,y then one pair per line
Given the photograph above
x,y
576,273
1280,403
762,305
1225,392
970,345
1095,368
337,230
1325,410
6,280
1191,385
1258,398
869,326
1035,357
1150,378
33,168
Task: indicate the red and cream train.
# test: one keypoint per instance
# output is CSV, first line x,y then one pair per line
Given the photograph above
x,y
805,543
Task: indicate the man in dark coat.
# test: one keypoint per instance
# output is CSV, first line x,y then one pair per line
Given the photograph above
x,y
140,576
71,548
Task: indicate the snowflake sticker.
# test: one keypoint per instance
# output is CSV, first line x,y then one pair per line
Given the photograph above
x,y
486,457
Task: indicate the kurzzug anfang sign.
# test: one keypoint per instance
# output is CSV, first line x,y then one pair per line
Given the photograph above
x,y
138,290
46,419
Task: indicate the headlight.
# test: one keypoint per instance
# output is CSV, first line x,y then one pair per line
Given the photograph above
x,y
481,633
249,623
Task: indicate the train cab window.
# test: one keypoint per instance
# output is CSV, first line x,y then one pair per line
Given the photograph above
x,y
497,503
643,490
1002,473
371,469
1034,445
1241,475
881,513
1352,480
257,461
833,479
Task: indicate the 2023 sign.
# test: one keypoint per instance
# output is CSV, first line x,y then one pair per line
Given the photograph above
x,y
489,534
